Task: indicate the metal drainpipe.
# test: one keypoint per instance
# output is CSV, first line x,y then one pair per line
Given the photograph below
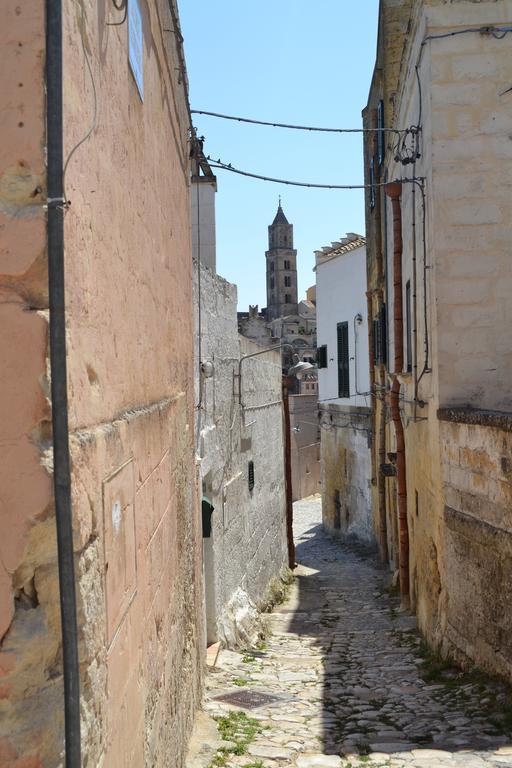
x,y
61,459
288,474
394,190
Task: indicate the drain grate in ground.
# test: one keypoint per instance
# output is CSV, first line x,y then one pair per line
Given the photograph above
x,y
247,699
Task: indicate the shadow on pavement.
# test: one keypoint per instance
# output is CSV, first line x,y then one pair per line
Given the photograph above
x,y
383,692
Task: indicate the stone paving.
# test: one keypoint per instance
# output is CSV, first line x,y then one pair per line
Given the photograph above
x,y
352,681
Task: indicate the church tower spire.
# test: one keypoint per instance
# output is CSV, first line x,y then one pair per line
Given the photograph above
x,y
281,268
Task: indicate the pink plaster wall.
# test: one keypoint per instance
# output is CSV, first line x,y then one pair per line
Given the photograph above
x,y
130,358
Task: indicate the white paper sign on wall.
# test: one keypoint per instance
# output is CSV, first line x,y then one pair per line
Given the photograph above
x,y
136,44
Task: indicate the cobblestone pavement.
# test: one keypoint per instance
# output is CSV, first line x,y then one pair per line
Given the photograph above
x,y
353,683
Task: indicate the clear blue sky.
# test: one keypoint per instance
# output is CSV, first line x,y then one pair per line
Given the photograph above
x,y
291,61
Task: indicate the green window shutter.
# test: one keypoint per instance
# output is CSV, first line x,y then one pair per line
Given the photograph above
x,y
343,361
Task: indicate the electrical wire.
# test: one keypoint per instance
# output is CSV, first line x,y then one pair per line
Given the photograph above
x,y
497,32
228,167
297,127
95,109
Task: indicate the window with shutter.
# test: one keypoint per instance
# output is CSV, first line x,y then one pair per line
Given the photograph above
x,y
408,325
381,134
251,475
372,184
321,356
343,361
376,345
383,323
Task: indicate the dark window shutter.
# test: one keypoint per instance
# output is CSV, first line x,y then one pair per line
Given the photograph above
x,y
408,325
321,356
381,135
376,341
372,184
251,475
343,361
383,322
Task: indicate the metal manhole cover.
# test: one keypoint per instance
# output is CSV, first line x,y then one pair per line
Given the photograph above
x,y
247,699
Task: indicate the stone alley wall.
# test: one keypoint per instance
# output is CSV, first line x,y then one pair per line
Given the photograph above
x,y
477,471
130,381
240,443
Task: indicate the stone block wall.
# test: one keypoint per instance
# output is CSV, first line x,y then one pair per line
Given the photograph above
x,y
239,421
305,445
477,481
346,471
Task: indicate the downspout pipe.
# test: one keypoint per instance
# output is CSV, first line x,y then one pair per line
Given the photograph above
x,y
61,459
394,191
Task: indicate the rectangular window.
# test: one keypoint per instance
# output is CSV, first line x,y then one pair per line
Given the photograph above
x,y
286,264
250,474
287,298
271,282
321,356
287,281
408,325
376,345
343,361
271,266
381,342
381,135
372,184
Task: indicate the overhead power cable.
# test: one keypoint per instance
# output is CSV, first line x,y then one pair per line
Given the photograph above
x,y
297,127
229,167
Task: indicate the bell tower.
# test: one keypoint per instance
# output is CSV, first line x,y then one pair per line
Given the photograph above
x,y
281,268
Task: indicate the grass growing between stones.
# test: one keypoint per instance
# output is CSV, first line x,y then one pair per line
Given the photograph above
x,y
239,730
240,681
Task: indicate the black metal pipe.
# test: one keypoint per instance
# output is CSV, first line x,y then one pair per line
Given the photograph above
x,y
61,460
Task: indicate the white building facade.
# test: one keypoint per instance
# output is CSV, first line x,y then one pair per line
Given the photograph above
x,y
344,388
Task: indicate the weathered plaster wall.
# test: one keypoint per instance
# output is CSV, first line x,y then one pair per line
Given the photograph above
x,y
305,445
130,335
477,480
248,544
31,717
346,471
130,380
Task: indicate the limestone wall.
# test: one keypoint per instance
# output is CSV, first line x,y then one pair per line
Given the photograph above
x,y
477,479
346,471
461,278
130,381
305,445
238,421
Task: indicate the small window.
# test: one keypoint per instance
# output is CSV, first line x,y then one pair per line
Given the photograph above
x,y
408,325
287,281
287,298
372,184
381,135
321,356
286,264
271,266
250,475
271,282
343,361
380,337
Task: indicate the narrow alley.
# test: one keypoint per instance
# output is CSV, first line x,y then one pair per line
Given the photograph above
x,y
342,679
